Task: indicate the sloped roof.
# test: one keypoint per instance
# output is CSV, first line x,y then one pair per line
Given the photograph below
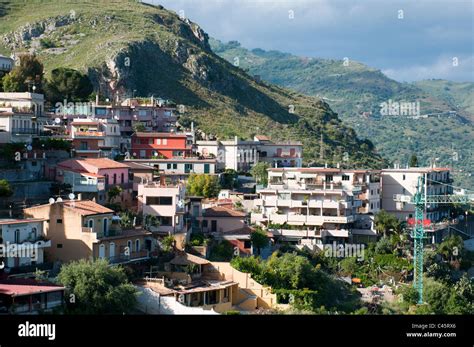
x,y
87,207
187,259
87,164
219,211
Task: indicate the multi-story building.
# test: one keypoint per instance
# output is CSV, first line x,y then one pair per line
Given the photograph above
x,y
151,114
166,202
179,166
160,145
24,241
313,206
437,181
241,155
83,229
92,177
22,117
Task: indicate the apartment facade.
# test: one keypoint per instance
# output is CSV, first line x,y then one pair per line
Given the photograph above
x,y
155,145
26,241
92,177
242,155
166,202
22,117
179,166
314,206
437,181
83,229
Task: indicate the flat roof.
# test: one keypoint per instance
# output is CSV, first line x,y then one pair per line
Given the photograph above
x,y
20,221
21,287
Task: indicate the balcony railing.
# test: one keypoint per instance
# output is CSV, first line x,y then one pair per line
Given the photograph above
x,y
25,131
122,258
89,134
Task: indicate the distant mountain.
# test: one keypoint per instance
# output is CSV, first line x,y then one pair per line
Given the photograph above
x,y
127,47
355,91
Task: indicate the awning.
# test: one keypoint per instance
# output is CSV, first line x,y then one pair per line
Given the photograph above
x,y
338,233
308,175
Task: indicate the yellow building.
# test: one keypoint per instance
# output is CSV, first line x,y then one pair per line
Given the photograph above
x,y
83,229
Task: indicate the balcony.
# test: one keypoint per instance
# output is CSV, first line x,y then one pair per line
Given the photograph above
x,y
134,256
299,219
25,131
88,134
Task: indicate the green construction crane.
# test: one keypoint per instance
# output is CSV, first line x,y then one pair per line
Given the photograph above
x,y
420,200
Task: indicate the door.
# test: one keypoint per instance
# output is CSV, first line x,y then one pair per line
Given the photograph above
x,y
102,251
112,250
213,226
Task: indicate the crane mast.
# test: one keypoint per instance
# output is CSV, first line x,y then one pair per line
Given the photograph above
x,y
419,200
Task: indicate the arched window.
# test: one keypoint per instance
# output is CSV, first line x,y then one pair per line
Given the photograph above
x,y
90,223
102,251
123,178
115,178
129,246
17,235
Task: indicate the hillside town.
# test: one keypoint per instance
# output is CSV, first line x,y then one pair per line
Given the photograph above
x,y
123,181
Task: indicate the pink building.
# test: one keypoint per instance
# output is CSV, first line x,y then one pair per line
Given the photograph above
x,y
93,177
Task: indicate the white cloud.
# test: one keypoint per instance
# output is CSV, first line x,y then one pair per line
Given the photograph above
x,y
442,68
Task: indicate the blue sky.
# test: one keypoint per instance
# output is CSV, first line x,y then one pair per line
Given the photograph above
x,y
423,44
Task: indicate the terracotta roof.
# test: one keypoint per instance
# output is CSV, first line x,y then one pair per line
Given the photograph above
x,y
87,207
219,211
19,287
153,134
262,138
304,169
84,123
186,259
85,165
245,230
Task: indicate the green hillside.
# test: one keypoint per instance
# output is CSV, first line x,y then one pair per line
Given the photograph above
x,y
128,47
356,91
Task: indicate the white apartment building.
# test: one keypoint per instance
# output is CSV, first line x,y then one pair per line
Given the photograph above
x,y
404,181
21,117
166,202
26,238
241,155
179,166
314,206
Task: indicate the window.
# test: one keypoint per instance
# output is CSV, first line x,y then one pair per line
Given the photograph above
x,y
142,113
90,223
59,245
175,166
137,245
115,178
122,178
165,221
158,141
204,223
159,200
206,168
168,166
345,177
329,178
59,221
34,163
213,225
404,177
17,235
188,168
165,142
129,246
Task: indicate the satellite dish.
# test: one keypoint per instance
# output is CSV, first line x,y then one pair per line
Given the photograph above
x,y
51,201
180,203
57,120
29,147
59,199
116,117
71,196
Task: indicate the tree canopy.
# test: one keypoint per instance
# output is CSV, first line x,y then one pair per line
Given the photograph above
x,y
203,185
68,84
24,76
97,288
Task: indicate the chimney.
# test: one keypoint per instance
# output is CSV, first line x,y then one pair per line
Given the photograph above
x,y
79,196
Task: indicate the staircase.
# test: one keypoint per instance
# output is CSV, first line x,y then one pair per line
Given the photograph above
x,y
249,301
